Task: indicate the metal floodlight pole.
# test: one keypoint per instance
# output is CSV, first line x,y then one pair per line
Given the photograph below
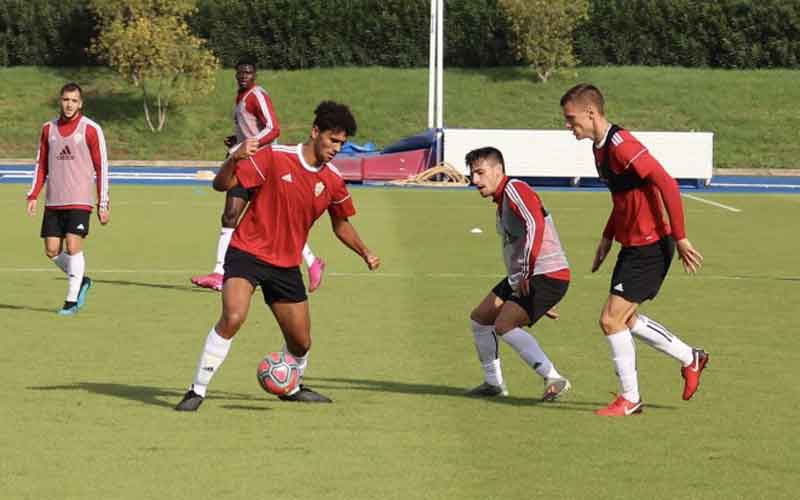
x,y
432,68
439,79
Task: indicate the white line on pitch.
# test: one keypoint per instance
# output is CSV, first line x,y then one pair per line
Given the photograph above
x,y
714,203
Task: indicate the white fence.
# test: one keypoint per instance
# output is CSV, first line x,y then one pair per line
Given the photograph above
x,y
556,153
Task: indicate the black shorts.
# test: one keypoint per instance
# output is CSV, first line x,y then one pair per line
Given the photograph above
x,y
240,192
640,271
545,293
57,223
278,284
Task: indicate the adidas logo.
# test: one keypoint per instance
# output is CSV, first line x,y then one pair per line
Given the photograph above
x,y
619,288
208,368
65,154
287,177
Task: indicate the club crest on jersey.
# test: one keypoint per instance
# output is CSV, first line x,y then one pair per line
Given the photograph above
x,y
319,188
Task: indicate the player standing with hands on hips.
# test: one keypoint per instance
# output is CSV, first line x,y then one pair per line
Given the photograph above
x,y
296,185
640,190
72,161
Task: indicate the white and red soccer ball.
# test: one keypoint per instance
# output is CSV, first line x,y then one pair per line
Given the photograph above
x,y
278,374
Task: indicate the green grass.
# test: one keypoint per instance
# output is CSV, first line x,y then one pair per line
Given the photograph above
x,y
87,401
747,110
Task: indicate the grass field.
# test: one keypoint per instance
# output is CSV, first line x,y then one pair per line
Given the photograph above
x,y
87,401
746,110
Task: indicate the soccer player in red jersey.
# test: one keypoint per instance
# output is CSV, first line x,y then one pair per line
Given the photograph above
x,y
72,161
297,184
641,190
537,277
253,116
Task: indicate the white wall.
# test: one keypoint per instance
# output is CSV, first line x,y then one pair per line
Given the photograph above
x,y
556,153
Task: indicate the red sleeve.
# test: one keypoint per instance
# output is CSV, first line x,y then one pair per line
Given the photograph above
x,y
341,201
96,142
528,207
252,172
260,105
41,167
671,194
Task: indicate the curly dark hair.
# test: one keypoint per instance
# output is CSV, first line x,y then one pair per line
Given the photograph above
x,y
333,116
246,60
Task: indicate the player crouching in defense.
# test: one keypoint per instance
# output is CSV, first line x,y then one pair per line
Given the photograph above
x,y
266,249
538,278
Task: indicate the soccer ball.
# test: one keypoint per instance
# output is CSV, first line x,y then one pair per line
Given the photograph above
x,y
277,373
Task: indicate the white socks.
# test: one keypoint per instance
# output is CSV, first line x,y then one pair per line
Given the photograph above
x,y
488,354
662,339
75,266
529,350
302,361
308,255
214,353
61,260
222,249
623,353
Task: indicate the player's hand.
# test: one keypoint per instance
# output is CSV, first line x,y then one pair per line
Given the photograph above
x,y
524,287
552,313
31,207
230,141
373,261
104,215
690,258
601,253
246,149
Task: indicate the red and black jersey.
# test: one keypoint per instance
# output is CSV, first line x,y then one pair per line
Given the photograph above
x,y
276,224
640,189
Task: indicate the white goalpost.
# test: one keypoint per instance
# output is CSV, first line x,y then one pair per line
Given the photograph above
x,y
436,76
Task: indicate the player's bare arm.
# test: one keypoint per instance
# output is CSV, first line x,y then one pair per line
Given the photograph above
x,y
226,177
348,235
603,248
691,259
104,214
31,209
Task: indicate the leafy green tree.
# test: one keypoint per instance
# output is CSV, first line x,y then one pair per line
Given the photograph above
x,y
543,32
151,45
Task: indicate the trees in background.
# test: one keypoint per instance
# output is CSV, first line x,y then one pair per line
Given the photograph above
x,y
543,32
150,44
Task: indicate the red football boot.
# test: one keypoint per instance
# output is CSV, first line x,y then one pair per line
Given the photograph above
x,y
620,407
691,373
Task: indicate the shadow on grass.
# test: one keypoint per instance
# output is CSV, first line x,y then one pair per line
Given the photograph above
x,y
182,288
156,396
15,307
392,386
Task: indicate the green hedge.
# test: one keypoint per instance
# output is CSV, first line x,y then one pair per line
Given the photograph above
x,y
44,32
313,33
712,33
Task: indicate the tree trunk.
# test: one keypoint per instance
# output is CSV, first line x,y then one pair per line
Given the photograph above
x,y
146,109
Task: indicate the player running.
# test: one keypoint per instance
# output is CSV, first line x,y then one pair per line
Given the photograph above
x,y
640,190
72,161
298,184
253,116
538,278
